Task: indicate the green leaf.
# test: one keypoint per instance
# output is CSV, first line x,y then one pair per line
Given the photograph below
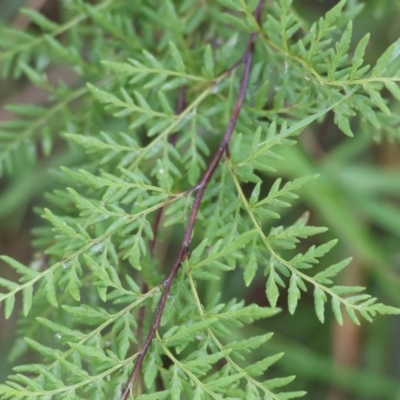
x,y
278,382
272,290
236,22
319,301
250,268
164,394
275,187
384,60
393,88
332,271
150,368
27,294
208,62
176,385
359,52
252,392
259,367
336,310
339,290
61,329
20,268
377,99
343,124
342,48
221,383
292,395
197,252
204,275
176,55
44,350
50,289
352,315
332,15
251,343
187,333
255,194
10,302
293,294
87,314
164,103
39,19
382,309
92,353
8,284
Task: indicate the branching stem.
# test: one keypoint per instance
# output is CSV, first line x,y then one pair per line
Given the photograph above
x,y
181,104
201,187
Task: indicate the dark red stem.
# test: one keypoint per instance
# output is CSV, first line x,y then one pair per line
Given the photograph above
x,y
201,187
181,104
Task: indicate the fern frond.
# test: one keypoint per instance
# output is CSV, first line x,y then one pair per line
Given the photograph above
x,y
176,118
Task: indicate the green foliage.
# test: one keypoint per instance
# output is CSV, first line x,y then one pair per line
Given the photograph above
x,y
141,155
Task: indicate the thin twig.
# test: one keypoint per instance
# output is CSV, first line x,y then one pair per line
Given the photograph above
x,y
145,287
248,58
181,104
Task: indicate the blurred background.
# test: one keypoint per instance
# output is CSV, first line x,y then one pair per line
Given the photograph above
x,y
357,196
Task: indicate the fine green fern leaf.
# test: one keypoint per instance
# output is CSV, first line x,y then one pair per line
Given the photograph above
x,y
144,124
